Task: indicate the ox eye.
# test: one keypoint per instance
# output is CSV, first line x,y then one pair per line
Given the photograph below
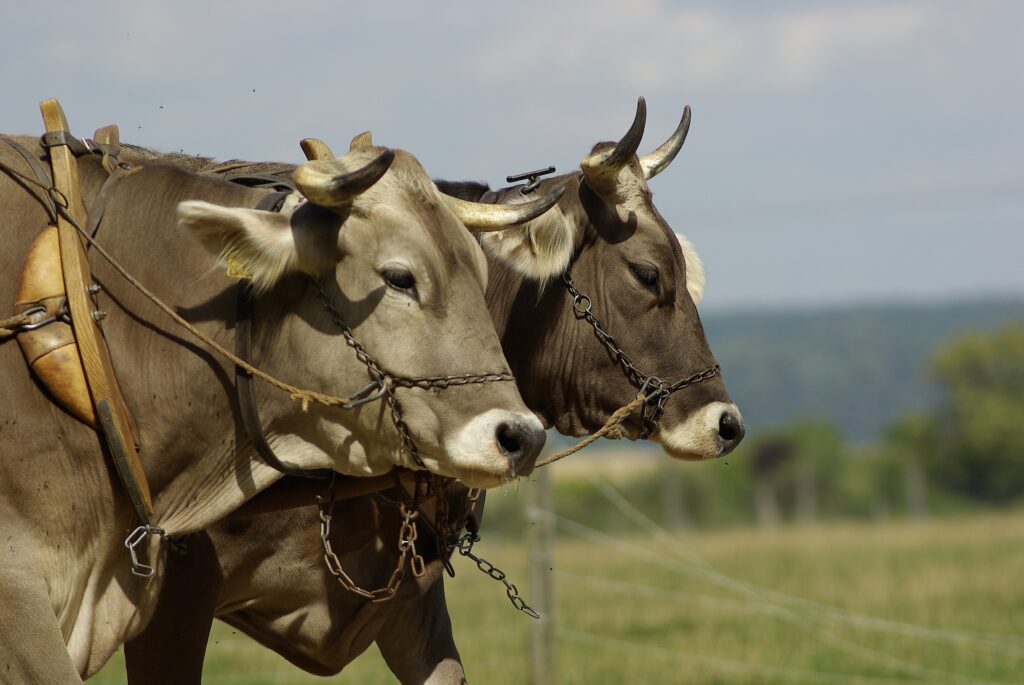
x,y
647,276
400,279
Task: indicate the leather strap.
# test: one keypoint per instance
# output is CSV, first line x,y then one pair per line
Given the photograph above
x,y
99,203
291,493
246,397
63,138
279,182
476,514
42,176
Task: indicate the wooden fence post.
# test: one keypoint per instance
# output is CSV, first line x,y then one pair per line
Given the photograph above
x,y
540,535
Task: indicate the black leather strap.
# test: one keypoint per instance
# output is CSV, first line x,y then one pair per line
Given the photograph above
x,y
246,397
78,147
99,203
476,514
257,179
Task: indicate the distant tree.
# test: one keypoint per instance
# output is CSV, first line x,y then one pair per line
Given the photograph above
x,y
978,440
907,443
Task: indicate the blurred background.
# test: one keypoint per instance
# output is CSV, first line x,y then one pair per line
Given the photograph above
x,y
853,180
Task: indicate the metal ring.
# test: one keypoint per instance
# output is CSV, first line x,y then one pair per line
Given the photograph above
x,y
579,307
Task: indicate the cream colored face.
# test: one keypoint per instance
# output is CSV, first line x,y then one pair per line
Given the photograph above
x,y
409,280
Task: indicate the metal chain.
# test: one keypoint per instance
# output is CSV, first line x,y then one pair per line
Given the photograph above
x,y
656,390
408,533
464,546
389,382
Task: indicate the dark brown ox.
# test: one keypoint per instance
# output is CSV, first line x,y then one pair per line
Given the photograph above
x,y
397,263
264,574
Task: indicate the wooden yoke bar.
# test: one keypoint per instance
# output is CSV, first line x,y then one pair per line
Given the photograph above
x,y
99,372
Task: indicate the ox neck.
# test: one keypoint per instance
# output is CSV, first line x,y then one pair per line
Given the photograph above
x,y
538,335
180,394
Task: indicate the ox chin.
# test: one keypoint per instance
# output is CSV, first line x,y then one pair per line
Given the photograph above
x,y
710,432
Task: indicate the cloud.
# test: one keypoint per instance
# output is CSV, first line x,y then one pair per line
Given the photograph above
x,y
657,45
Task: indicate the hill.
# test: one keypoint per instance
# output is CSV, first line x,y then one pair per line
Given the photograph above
x,y
857,366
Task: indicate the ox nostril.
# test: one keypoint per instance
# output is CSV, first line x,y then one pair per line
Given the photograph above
x,y
520,444
730,429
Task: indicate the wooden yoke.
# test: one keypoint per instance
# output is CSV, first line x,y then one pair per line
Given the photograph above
x,y
99,372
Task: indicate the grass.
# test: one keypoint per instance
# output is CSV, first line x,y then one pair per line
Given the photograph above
x,y
933,602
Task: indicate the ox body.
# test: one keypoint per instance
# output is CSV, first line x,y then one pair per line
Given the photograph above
x,y
372,230
265,574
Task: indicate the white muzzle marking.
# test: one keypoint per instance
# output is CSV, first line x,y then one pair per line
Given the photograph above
x,y
698,436
474,452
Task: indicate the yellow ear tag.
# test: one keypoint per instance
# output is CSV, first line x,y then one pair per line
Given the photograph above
x,y
236,270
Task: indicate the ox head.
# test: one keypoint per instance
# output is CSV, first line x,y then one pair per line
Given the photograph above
x,y
644,282
395,259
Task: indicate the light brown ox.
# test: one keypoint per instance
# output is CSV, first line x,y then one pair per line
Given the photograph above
x,y
396,261
265,574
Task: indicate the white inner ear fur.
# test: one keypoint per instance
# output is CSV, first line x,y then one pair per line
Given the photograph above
x,y
695,278
539,249
258,242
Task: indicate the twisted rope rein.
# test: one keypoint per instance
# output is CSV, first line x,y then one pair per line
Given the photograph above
x,y
10,327
611,430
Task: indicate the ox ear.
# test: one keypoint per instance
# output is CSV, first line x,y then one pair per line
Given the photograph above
x,y
266,245
539,249
695,277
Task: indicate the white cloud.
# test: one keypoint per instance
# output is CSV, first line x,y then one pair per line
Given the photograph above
x,y
654,43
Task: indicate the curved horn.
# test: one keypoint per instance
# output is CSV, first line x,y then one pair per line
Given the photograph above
x,y
364,139
314,148
618,156
481,217
655,162
329,184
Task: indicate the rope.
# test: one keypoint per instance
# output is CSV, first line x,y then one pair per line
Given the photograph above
x,y
303,395
11,327
609,430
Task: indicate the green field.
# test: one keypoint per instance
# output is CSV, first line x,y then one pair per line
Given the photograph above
x,y
935,602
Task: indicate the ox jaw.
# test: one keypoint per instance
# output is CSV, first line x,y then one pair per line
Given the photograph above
x,y
473,455
697,438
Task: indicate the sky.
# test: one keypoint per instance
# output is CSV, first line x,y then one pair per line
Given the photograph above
x,y
840,151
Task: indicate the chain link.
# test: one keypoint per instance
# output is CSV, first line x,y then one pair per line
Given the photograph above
x,y
389,382
657,390
407,536
464,546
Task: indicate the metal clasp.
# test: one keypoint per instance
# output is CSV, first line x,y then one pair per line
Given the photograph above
x,y
531,177
61,314
136,538
364,395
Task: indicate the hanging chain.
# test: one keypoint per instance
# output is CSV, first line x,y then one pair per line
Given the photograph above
x,y
464,546
407,536
656,390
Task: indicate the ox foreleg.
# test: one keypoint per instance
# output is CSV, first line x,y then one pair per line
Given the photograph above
x,y
417,641
32,648
170,651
